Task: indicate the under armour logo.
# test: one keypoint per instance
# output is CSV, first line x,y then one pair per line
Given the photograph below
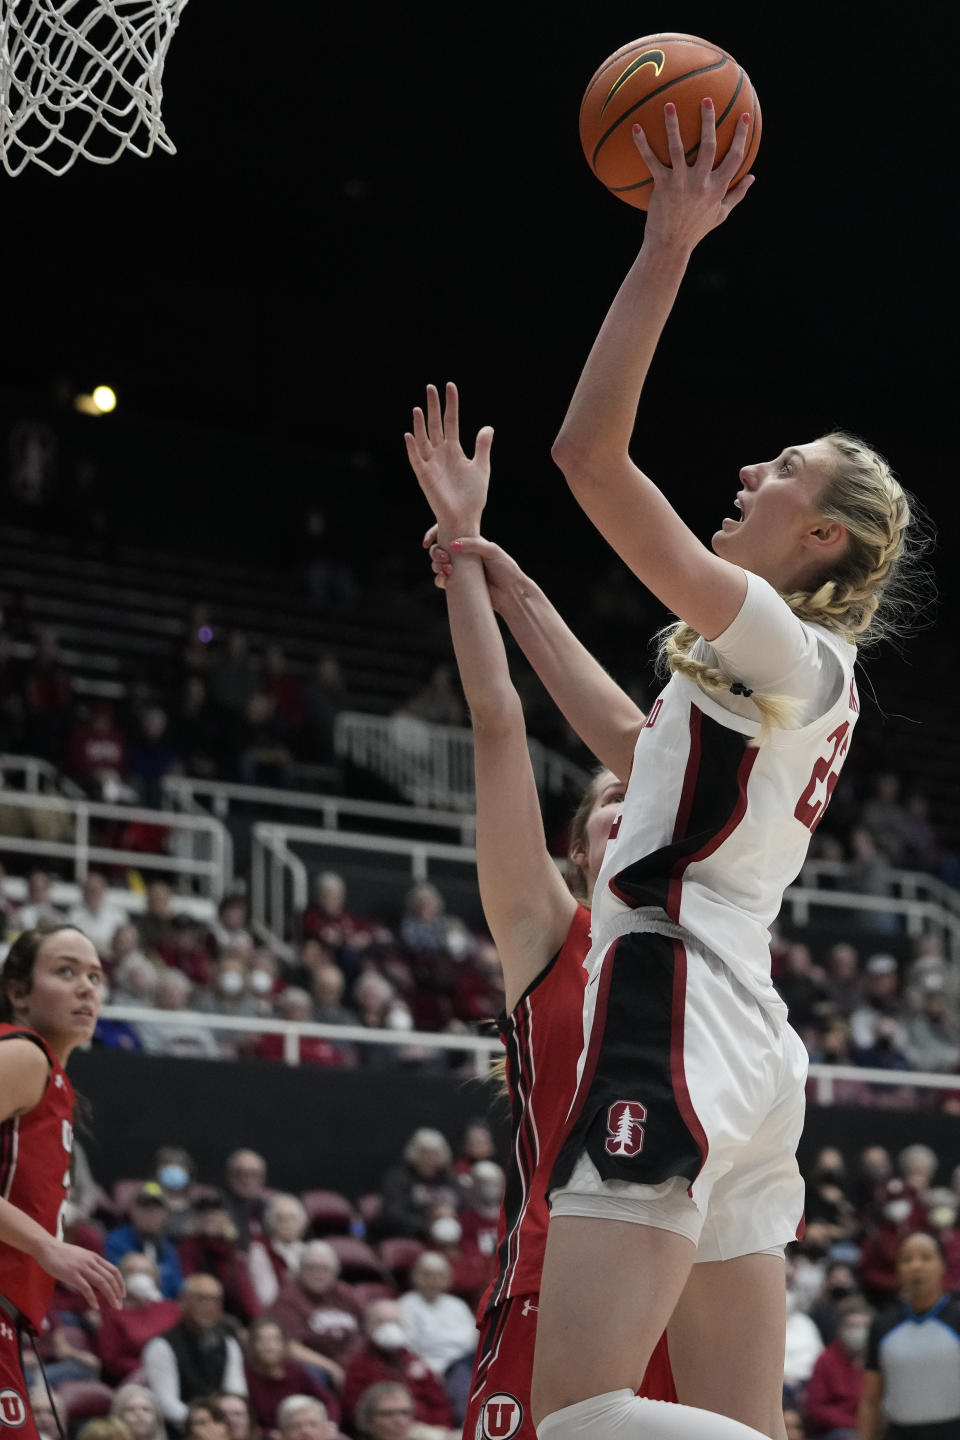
x,y
500,1418
625,1128
14,1412
58,1081
529,1308
7,1332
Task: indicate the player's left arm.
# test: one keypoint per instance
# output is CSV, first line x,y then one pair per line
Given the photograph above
x,y
592,448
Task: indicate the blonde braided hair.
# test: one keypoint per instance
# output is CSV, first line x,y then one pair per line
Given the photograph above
x,y
871,591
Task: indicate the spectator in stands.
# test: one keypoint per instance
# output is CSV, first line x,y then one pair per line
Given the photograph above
x,y
803,987
832,1398
440,1328
175,1171
476,1143
156,923
238,1413
230,930
295,1005
839,1283
933,1036
901,1214
265,982
276,1257
153,755
380,1008
386,1412
198,1355
104,1427
212,1250
826,1198
231,994
262,756
96,914
425,928
386,1356
232,676
472,1270
327,919
137,1407
287,694
942,1219
126,941
184,951
870,873
913,1352
67,1352
917,1166
325,696
885,818
135,979
38,908
843,985
423,1179
186,1037
881,1000
245,1194
273,1375
48,695
803,1337
328,1007
480,994
318,1312
439,701
205,1421
303,1417
874,1169
885,1054
97,753
146,1235
145,1314
480,1217
197,729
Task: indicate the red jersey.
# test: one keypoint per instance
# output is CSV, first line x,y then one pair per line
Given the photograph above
x,y
35,1177
543,1037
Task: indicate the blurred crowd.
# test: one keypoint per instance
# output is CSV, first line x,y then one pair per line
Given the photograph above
x,y
257,1304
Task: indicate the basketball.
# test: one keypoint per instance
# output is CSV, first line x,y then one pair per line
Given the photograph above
x,y
634,85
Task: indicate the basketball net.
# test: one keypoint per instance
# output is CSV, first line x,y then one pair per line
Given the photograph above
x,y
82,77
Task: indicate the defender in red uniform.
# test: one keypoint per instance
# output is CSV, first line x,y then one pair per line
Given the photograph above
x,y
51,996
541,932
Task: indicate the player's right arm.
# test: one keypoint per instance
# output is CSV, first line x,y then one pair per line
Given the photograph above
x,y
24,1071
526,903
593,704
869,1410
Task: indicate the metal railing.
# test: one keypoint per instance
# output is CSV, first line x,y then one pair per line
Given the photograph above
x,y
39,776
919,916
433,764
188,834
186,792
907,884
823,1078
279,884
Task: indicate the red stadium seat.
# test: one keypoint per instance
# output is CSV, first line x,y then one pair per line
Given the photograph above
x,y
400,1255
84,1399
328,1213
368,1208
357,1260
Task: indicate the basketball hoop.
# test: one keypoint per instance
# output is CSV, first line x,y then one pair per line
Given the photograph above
x,y
82,77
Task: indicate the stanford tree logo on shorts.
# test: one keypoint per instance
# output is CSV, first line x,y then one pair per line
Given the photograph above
x,y
501,1417
625,1128
12,1409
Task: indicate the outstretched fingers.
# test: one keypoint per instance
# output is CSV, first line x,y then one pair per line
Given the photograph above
x,y
451,414
434,417
733,159
671,120
707,152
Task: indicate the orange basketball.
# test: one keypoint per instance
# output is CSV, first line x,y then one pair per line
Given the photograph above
x,y
634,85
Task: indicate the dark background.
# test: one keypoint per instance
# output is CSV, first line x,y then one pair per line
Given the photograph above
x,y
366,197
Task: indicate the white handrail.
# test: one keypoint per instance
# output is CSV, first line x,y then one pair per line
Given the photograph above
x,y
79,853
912,884
186,790
798,899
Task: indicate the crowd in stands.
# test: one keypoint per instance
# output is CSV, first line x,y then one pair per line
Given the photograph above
x,y
312,1316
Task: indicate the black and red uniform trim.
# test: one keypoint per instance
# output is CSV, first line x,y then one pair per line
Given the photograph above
x,y
635,1050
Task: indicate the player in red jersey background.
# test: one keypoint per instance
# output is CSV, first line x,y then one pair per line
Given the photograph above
x,y
542,933
50,997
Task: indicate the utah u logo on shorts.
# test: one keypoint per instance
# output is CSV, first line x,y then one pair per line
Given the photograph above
x,y
625,1128
12,1409
501,1417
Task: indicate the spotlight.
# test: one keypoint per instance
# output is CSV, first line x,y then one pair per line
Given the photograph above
x,y
105,399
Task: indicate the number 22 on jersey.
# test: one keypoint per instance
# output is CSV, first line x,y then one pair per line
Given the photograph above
x,y
826,772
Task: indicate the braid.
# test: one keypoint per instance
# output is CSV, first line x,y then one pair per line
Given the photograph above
x,y
875,590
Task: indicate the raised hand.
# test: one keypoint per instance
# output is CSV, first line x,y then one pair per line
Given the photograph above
x,y
503,575
689,201
455,486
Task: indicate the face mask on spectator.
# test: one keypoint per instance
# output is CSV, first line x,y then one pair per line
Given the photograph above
x,y
942,1216
897,1211
446,1230
231,982
854,1336
143,1287
399,1018
389,1336
261,983
840,1292
173,1177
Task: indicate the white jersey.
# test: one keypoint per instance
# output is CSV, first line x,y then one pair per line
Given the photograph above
x,y
714,825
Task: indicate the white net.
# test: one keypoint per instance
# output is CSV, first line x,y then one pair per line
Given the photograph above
x,y
82,77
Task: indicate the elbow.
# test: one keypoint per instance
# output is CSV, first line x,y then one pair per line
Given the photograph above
x,y
496,717
581,463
